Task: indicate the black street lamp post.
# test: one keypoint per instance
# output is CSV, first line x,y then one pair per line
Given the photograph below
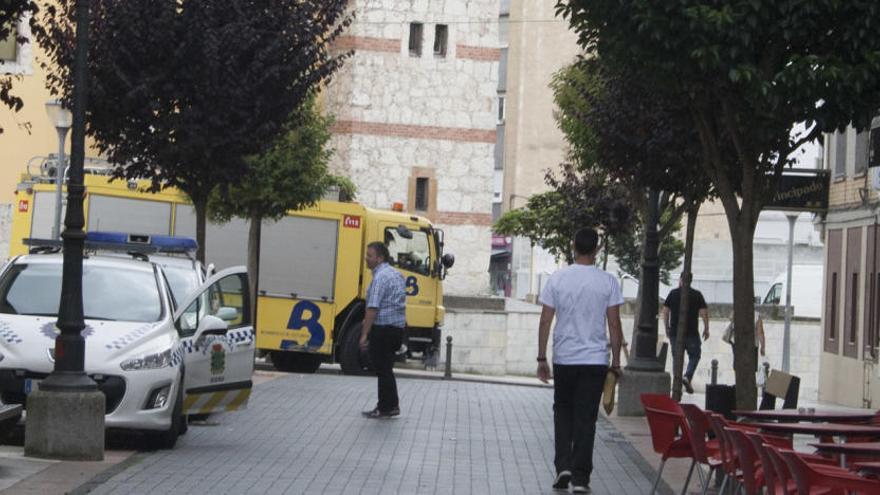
x,y
66,413
69,374
645,358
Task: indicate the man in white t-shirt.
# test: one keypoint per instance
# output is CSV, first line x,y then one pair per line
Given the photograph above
x,y
583,298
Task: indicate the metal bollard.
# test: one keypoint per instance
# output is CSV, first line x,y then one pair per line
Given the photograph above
x,y
714,380
766,376
447,373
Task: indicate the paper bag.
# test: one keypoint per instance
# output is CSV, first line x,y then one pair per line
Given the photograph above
x,y
608,391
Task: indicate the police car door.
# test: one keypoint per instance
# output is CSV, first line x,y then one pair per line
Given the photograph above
x,y
217,341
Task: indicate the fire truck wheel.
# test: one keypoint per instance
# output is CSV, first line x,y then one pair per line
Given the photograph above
x,y
296,362
354,362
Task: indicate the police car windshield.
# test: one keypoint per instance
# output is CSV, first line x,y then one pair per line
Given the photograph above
x,y
183,280
108,293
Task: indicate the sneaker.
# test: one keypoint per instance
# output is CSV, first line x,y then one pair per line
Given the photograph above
x,y
562,480
394,412
687,385
377,414
580,489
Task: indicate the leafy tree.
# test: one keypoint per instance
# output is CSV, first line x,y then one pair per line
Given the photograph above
x,y
751,71
290,175
11,11
575,200
626,247
181,91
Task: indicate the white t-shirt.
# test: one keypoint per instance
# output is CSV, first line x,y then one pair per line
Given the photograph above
x,y
581,294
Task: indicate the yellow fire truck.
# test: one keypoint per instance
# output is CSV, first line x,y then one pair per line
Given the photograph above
x,y
313,278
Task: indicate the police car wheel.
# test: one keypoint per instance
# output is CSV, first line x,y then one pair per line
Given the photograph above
x,y
354,362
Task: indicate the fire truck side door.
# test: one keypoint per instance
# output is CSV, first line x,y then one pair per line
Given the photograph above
x,y
413,258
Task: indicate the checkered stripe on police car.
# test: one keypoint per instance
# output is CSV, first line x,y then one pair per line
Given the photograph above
x,y
177,355
242,335
8,334
123,341
187,346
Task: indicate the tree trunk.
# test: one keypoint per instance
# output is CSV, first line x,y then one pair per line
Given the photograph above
x,y
253,260
744,315
201,206
684,301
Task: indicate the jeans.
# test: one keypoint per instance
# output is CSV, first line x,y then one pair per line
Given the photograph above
x,y
577,391
384,342
693,348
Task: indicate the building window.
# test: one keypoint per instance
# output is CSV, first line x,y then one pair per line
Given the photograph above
x,y
422,192
832,320
874,340
502,110
854,309
874,157
9,44
861,152
415,39
422,185
441,36
839,154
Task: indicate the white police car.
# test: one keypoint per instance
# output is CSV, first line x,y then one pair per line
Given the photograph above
x,y
155,361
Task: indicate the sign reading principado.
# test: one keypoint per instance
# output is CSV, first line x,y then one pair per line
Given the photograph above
x,y
801,190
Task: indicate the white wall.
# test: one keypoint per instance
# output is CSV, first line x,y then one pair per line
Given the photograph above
x,y
499,343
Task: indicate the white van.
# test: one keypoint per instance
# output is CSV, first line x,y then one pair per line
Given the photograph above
x,y
806,293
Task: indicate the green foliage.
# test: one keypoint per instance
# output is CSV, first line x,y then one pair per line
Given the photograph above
x,y
626,247
751,70
180,92
289,175
614,122
576,199
10,13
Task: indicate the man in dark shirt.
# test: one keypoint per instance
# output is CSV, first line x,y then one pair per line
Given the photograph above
x,y
692,345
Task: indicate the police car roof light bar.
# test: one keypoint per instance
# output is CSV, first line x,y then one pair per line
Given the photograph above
x,y
162,243
120,241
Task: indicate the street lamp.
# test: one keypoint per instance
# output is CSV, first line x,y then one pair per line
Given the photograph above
x,y
66,412
61,118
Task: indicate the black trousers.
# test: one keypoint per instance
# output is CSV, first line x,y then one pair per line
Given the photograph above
x,y
384,343
576,397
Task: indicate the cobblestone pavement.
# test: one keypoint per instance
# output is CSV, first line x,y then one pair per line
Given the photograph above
x,y
303,434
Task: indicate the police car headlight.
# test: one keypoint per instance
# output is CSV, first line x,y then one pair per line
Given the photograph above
x,y
148,362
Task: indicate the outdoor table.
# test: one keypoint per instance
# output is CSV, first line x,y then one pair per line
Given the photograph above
x,y
821,429
868,468
816,416
865,449
842,431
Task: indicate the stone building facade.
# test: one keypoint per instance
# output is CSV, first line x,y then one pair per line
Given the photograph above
x,y
415,109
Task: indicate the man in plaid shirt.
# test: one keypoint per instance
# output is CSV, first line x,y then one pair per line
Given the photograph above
x,y
383,326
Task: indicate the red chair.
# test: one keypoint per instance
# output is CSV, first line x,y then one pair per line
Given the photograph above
x,y
783,473
808,476
669,432
729,462
705,452
748,460
772,481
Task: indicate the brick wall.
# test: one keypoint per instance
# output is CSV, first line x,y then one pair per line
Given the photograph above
x,y
367,43
463,218
415,131
478,53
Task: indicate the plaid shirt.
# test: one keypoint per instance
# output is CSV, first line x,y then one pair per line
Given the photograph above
x,y
387,293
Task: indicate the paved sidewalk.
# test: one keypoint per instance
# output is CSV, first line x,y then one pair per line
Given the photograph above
x,y
304,434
